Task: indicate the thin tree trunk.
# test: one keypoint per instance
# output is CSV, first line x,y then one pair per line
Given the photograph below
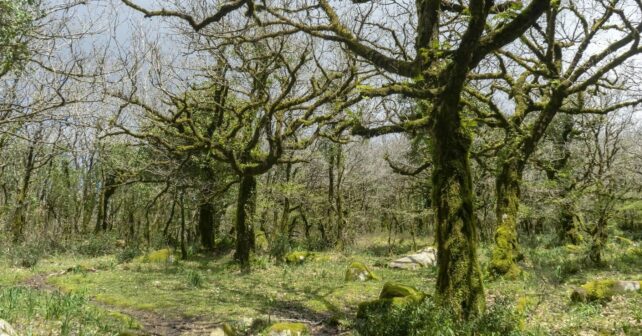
x,y
206,225
244,227
505,252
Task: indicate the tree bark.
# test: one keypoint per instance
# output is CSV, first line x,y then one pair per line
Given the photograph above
x,y
109,188
244,227
459,279
18,220
206,225
505,252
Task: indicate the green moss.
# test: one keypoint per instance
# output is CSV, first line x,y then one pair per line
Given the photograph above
x,y
160,256
295,329
392,290
359,271
260,241
298,257
599,290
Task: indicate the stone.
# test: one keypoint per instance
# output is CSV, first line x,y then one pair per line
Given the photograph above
x,y
358,271
393,295
288,329
6,329
218,332
298,257
601,290
423,258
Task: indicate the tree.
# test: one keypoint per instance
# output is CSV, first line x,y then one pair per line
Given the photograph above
x,y
546,73
258,101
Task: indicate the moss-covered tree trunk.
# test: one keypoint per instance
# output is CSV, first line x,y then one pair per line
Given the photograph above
x,y
206,225
459,280
505,252
244,227
570,221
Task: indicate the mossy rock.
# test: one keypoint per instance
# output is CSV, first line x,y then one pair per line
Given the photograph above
x,y
358,271
392,296
160,256
260,241
287,329
603,290
392,290
298,257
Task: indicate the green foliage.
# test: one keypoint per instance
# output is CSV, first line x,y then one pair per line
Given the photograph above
x,y
27,254
98,245
429,318
195,279
61,313
128,254
15,22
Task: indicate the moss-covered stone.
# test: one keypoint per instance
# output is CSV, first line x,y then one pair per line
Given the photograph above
x,y
358,271
160,256
392,296
602,290
298,257
287,329
395,290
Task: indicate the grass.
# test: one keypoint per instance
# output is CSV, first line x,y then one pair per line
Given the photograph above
x,y
316,290
34,312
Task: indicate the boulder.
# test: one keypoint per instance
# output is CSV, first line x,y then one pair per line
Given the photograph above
x,y
601,290
6,329
423,258
393,295
358,271
287,329
298,257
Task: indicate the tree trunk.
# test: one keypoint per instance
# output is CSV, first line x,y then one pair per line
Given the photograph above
x,y
109,188
206,225
18,220
244,227
459,279
570,220
505,252
600,236
182,233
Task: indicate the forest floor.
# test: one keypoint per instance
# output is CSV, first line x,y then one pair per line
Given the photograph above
x,y
71,295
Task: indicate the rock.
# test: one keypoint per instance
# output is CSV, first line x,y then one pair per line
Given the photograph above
x,y
287,329
218,332
601,290
393,295
6,329
358,271
423,258
298,257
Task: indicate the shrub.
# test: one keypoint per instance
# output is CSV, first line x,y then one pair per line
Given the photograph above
x,y
428,318
194,278
128,254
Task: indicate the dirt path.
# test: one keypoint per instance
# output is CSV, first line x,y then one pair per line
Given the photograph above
x,y
153,324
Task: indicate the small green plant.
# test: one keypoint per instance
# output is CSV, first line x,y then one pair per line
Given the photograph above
x,y
128,254
430,319
195,279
